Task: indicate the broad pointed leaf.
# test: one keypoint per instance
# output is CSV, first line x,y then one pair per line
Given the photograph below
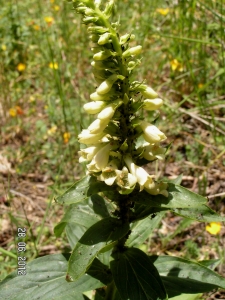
x,y
100,271
202,213
142,229
98,238
182,276
82,189
135,277
45,280
179,197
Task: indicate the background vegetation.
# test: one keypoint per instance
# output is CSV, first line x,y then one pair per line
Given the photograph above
x,y
46,77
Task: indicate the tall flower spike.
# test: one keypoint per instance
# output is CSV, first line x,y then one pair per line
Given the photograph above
x,y
111,138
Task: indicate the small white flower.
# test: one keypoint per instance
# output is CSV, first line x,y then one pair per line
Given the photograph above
x,y
153,104
94,107
88,138
151,133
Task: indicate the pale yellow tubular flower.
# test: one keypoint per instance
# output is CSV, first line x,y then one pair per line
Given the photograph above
x,y
94,107
154,151
101,158
88,138
106,85
159,188
87,154
153,104
109,174
143,178
151,133
125,180
98,126
148,92
96,97
109,110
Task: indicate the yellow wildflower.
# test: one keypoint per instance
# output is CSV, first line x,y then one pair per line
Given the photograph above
x,y
52,130
49,20
66,137
21,67
12,112
36,27
200,85
4,47
163,11
213,228
176,65
16,110
52,1
53,65
56,7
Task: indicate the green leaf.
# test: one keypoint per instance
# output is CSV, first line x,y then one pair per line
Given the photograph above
x,y
142,211
142,229
179,197
202,213
182,276
79,217
136,278
211,263
82,189
100,237
186,297
100,271
45,280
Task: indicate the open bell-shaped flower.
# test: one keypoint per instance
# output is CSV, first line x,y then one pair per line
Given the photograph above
x,y
88,153
152,152
159,188
101,158
143,178
125,180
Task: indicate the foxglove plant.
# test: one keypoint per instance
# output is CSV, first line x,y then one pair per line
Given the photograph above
x,y
117,205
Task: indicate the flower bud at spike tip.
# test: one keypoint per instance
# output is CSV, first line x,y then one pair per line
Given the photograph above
x,y
106,85
132,51
153,104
